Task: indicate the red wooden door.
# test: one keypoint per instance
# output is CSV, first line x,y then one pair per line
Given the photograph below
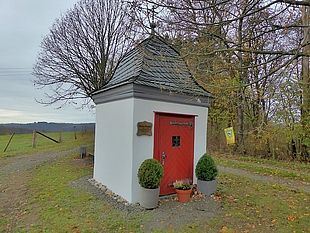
x,y
174,148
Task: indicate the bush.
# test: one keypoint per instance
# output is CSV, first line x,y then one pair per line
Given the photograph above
x,y
150,174
206,169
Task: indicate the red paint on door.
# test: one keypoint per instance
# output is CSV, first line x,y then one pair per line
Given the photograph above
x,y
174,148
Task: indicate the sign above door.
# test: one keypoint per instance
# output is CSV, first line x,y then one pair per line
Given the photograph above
x,y
182,123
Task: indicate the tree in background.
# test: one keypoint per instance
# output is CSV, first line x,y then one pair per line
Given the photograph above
x,y
305,81
83,48
247,53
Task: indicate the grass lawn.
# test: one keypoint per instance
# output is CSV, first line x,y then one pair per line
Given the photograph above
x,y
252,206
284,170
22,143
62,208
55,206
248,206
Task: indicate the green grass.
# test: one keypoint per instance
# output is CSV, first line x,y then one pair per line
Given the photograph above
x,y
3,221
62,208
54,205
293,165
22,143
248,206
262,170
251,206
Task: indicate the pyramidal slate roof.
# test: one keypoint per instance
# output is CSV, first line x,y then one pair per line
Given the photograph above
x,y
155,64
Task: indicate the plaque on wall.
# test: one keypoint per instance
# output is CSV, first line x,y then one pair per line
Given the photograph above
x,y
144,128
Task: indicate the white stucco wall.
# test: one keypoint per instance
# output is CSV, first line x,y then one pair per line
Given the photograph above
x,y
114,147
143,145
119,151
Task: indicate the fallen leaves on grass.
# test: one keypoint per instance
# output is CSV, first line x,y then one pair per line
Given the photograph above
x,y
224,229
291,218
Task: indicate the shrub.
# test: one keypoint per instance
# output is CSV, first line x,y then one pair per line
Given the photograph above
x,y
206,169
150,174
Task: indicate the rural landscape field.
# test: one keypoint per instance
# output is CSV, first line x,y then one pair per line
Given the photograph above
x,y
253,195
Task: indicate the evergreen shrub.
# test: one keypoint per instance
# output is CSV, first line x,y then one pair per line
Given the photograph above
x,y
150,174
206,169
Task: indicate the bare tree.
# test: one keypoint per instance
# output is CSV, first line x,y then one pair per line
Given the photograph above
x,y
81,51
305,105
242,49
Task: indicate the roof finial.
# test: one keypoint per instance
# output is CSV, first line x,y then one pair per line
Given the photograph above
x,y
153,24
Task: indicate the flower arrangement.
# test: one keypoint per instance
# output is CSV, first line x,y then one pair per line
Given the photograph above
x,y
182,184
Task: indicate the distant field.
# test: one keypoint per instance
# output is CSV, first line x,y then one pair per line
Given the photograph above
x,y
44,127
22,143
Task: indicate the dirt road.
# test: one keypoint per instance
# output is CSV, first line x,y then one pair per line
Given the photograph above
x,y
289,183
16,171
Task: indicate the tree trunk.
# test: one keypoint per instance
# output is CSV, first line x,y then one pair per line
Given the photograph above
x,y
240,111
305,85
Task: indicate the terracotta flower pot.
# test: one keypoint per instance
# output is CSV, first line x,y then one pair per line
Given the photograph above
x,y
183,195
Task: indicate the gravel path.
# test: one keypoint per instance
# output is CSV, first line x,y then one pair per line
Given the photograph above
x,y
169,213
15,172
292,184
28,161
269,166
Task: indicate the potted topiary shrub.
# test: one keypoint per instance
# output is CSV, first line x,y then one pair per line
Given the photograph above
x,y
150,174
206,172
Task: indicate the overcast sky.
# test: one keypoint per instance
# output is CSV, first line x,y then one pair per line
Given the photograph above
x,y
23,24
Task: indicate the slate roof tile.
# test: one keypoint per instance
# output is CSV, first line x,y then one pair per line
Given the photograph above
x,y
155,64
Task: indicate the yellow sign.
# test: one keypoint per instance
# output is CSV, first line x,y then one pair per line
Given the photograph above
x,y
230,136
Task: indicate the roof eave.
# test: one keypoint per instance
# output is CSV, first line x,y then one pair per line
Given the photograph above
x,y
131,90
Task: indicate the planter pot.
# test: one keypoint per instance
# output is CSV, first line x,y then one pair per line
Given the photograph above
x,y
149,198
206,187
183,195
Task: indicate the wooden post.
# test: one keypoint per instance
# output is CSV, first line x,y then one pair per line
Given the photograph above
x,y
8,142
34,139
82,152
75,133
60,131
82,130
47,136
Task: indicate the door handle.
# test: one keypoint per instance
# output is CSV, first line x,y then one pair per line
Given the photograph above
x,y
163,157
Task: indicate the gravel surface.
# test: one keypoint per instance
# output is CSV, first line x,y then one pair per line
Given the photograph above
x,y
292,184
169,212
28,161
15,172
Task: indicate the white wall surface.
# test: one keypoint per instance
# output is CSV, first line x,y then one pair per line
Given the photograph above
x,y
113,146
119,151
144,110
